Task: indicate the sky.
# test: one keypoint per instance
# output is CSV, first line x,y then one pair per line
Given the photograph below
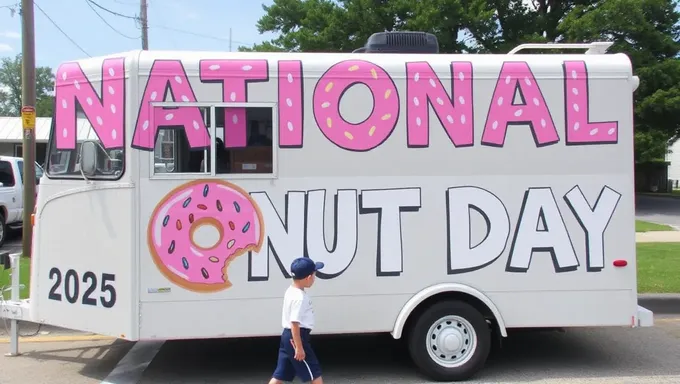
x,y
173,25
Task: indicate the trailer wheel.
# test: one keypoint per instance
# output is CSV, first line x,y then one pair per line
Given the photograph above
x,y
450,341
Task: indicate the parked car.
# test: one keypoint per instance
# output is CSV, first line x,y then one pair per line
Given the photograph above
x,y
12,193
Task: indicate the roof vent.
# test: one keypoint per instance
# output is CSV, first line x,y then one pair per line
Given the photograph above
x,y
400,42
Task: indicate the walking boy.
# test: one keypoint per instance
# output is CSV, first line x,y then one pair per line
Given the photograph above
x,y
296,356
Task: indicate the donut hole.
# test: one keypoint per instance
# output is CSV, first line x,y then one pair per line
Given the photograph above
x,y
352,111
206,234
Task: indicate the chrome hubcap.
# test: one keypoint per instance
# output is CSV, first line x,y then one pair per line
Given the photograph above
x,y
451,341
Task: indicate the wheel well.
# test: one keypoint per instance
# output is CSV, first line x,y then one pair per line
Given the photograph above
x,y
3,211
451,295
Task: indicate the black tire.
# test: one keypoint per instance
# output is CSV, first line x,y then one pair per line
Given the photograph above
x,y
4,229
419,341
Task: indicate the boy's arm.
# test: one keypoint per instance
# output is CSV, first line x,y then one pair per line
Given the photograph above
x,y
295,307
295,330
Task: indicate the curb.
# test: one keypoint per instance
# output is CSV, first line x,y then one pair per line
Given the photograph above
x,y
661,303
58,339
661,195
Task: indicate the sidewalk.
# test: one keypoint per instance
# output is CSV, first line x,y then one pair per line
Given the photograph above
x,y
658,237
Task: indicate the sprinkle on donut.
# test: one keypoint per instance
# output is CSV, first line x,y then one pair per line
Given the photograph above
x,y
176,219
516,77
377,127
455,112
578,128
105,113
180,90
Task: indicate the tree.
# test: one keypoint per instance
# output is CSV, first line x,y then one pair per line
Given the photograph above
x,y
10,93
646,30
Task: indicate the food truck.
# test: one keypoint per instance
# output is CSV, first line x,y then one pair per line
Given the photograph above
x,y
452,197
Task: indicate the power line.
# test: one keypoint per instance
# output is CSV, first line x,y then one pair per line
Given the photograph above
x,y
60,30
125,3
113,12
198,34
107,23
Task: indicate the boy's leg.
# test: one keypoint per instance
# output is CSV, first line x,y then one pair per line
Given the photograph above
x,y
309,369
285,371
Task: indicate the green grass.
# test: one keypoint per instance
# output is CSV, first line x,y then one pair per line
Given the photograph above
x,y
645,226
24,278
658,265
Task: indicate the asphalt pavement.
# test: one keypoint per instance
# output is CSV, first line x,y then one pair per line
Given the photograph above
x,y
602,356
661,210
617,355
13,242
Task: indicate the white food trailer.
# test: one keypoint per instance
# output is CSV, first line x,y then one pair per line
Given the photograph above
x,y
451,197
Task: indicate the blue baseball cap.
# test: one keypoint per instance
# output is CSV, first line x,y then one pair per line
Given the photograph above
x,y
303,267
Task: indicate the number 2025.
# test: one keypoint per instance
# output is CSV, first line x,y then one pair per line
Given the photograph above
x,y
72,287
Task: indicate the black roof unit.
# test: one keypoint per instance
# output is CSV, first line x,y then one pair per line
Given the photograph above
x,y
400,42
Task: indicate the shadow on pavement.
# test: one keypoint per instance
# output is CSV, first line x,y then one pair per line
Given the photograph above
x,y
525,356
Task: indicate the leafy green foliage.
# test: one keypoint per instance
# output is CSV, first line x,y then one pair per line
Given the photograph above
x,y
10,91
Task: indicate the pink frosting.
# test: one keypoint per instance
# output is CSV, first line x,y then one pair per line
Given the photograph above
x,y
197,203
377,127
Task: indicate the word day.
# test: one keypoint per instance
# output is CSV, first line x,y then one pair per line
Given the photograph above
x,y
517,99
300,231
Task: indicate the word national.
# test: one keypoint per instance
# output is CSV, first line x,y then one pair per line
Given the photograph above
x,y
424,89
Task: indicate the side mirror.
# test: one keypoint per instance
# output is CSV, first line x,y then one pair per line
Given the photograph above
x,y
88,158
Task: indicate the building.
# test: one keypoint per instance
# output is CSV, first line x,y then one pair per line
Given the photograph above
x,y
11,136
674,169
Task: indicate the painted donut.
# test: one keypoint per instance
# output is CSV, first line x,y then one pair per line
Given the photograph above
x,y
329,91
226,207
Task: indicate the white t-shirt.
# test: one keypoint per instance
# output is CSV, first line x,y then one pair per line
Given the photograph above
x,y
297,307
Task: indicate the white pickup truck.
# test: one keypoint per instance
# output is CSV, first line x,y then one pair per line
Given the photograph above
x,y
12,192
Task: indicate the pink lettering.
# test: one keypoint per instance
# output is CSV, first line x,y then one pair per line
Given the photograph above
x,y
169,77
291,88
579,130
517,78
423,88
377,127
106,114
234,76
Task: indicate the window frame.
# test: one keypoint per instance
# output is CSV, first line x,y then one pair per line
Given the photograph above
x,y
14,176
51,149
212,130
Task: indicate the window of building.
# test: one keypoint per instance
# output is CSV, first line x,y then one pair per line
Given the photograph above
x,y
65,163
245,147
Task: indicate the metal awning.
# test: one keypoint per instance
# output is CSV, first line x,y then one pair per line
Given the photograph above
x,y
11,130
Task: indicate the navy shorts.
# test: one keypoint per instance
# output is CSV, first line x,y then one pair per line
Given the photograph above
x,y
287,368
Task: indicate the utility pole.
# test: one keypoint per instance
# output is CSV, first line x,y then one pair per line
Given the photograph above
x,y
145,24
28,119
